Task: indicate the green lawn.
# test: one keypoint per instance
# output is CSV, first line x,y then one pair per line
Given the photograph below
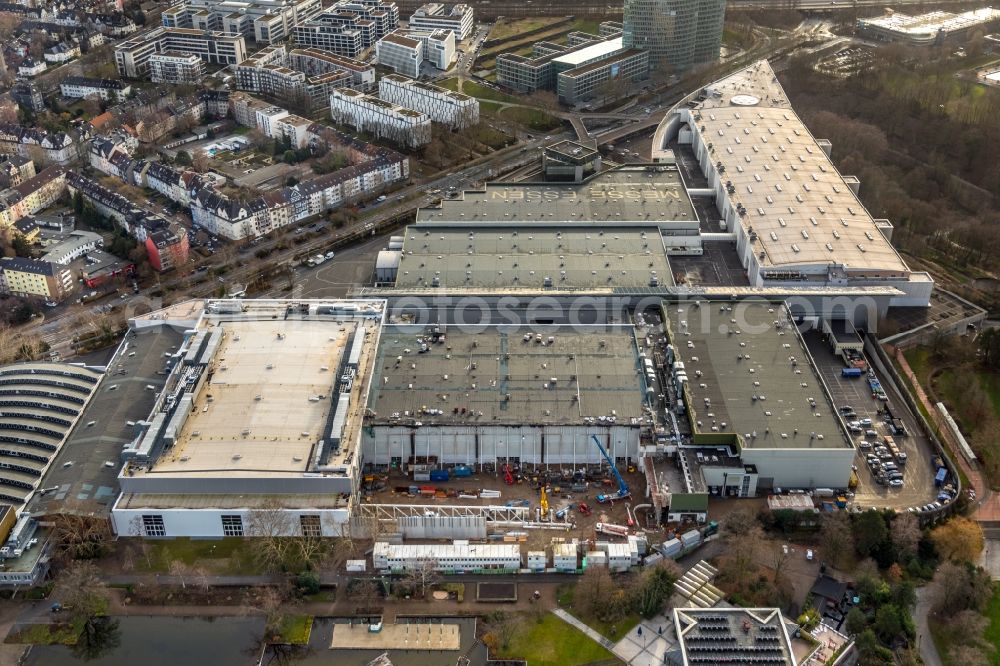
x,y
295,629
482,92
220,556
585,25
993,631
552,642
533,118
45,634
614,631
511,28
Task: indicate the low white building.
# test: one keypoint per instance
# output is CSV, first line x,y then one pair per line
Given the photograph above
x,y
404,55
85,86
383,119
267,119
454,109
74,246
460,556
31,67
438,16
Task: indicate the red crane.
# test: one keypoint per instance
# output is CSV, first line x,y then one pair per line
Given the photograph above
x,y
507,476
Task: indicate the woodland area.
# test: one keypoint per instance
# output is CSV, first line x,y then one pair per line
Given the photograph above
x,y
923,142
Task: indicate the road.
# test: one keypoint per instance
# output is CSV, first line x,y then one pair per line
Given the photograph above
x,y
921,615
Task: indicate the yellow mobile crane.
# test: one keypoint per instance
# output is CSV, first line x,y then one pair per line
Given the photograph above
x,y
544,503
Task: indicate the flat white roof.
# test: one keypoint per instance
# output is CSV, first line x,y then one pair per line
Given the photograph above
x,y
931,22
259,413
601,49
798,206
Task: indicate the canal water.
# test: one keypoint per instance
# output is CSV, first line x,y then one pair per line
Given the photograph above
x,y
236,641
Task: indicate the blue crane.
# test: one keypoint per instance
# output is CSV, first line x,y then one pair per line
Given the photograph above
x,y
623,492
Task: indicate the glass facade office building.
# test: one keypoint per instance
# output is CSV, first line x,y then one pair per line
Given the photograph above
x,y
679,34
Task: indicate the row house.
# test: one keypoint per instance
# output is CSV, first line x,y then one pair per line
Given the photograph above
x,y
55,147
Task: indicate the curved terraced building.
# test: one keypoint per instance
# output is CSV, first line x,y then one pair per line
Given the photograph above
x,y
40,403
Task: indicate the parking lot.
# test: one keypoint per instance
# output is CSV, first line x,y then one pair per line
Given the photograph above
x,y
918,478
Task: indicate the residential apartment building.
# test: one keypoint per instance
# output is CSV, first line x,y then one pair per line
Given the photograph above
x,y
133,55
85,86
383,119
32,142
30,67
314,62
15,169
447,107
679,34
268,73
264,21
32,195
34,277
400,53
62,52
133,220
167,248
437,16
176,68
439,46
604,80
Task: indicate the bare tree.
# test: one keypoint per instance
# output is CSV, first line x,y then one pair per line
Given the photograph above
x,y
423,575
836,537
593,590
743,535
505,625
180,571
905,530
82,592
80,537
270,528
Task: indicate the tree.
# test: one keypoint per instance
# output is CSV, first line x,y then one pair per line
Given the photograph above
x,y
80,537
836,538
270,527
888,624
82,592
183,158
422,575
743,536
655,587
856,621
959,586
504,625
593,590
905,532
969,655
99,637
367,595
960,539
870,532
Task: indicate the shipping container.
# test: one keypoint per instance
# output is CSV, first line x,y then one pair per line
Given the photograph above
x,y
851,372
461,471
439,475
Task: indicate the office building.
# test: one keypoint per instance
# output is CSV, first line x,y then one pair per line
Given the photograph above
x,y
133,55
447,107
548,60
437,16
366,113
603,81
84,86
403,55
796,219
176,68
679,34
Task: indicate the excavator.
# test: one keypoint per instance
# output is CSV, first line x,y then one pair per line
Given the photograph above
x,y
623,491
